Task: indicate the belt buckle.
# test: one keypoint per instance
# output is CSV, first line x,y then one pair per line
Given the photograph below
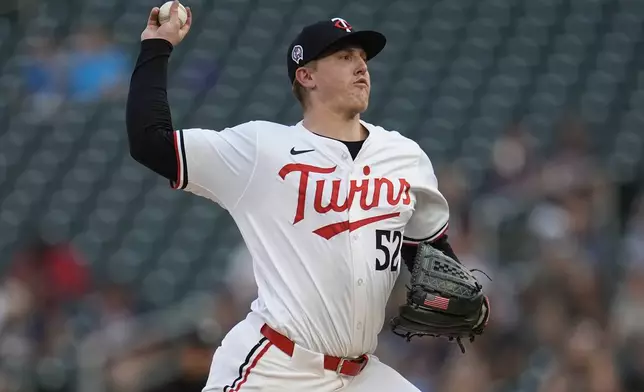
x,y
340,364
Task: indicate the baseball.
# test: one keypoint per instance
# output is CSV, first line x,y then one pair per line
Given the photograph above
x,y
164,13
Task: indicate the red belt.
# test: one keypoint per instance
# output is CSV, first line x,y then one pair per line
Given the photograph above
x,y
346,366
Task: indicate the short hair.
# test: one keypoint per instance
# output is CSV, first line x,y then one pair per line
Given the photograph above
x,y
300,93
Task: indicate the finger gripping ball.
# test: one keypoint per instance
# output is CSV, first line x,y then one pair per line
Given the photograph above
x,y
164,13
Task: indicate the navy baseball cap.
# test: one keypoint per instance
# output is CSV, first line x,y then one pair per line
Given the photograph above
x,y
319,38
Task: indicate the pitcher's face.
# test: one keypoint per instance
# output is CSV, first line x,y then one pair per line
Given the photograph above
x,y
342,80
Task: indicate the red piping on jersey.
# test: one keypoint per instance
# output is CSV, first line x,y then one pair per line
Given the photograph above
x,y
441,233
329,231
257,358
177,184
432,238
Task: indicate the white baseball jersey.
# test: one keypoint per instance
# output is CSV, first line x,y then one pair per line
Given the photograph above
x,y
324,230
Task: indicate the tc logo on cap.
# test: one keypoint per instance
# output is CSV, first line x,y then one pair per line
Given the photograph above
x,y
342,24
297,54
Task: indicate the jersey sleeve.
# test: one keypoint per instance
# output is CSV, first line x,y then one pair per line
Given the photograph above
x,y
431,213
217,165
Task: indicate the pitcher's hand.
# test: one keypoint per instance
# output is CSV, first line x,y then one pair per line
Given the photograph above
x,y
171,30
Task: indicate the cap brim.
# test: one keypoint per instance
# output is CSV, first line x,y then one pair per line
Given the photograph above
x,y
372,42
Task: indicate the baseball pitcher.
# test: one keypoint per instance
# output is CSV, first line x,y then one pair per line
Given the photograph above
x,y
330,209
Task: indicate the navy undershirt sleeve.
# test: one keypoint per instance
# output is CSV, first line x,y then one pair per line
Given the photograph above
x,y
148,118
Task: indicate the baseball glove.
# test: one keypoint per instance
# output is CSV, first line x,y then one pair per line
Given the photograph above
x,y
443,300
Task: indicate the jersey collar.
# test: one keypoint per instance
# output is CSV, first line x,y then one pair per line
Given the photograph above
x,y
370,128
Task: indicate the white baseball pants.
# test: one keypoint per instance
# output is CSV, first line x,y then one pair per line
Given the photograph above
x,y
246,361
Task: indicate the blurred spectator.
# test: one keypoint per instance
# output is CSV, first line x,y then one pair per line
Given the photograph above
x,y
634,237
514,164
89,68
466,373
96,68
632,364
130,372
55,273
572,164
193,365
628,306
112,310
43,72
40,291
45,77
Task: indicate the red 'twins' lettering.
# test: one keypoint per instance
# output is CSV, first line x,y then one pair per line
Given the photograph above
x,y
356,188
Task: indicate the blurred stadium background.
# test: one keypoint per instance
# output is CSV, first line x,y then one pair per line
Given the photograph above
x,y
532,112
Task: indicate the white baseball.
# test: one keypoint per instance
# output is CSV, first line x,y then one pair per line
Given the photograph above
x,y
164,13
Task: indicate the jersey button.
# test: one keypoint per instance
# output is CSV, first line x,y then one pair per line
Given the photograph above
x,y
359,325
360,281
345,156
